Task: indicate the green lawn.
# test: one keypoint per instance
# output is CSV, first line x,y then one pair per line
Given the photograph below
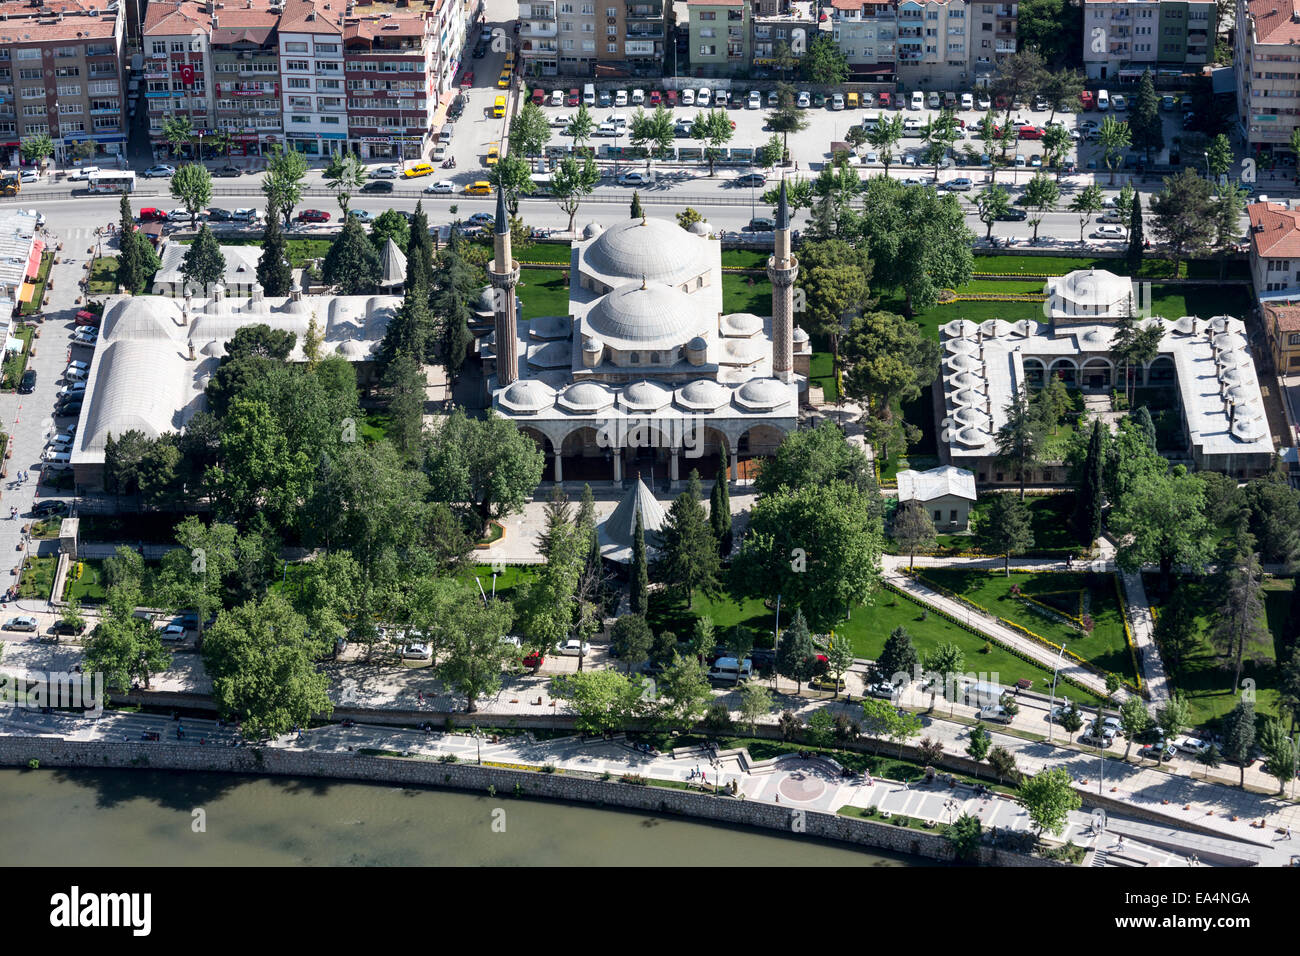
x,y
299,250
374,427
820,373
742,293
1049,517
1105,647
511,576
103,276
92,586
543,292
1150,268
37,579
1205,679
15,363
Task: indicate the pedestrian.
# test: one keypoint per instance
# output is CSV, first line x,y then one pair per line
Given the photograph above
x,y
1288,833
1120,844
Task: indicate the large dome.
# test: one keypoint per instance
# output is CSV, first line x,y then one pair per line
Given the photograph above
x,y
527,395
702,395
763,393
645,316
654,248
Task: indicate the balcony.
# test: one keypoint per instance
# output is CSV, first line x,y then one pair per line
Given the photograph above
x,y
1005,48
909,31
645,33
534,29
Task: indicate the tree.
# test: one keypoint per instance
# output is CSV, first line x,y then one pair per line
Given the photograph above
x,y
1288,682
652,132
965,835
834,278
1089,492
285,171
1279,752
529,130
1136,237
631,639
796,655
1240,632
1056,147
390,224
817,456
178,131
191,186
474,647
1273,516
938,134
1041,194
486,467
903,726
1052,403
1239,736
689,217
203,265
603,701
943,662
345,174
1182,215
1005,528
1133,720
890,361
1144,120
886,135
913,529
37,148
817,546
1177,632
123,647
1071,720
637,211
991,204
1087,202
1227,212
404,382
839,659
262,663
787,118
980,742
898,659
419,251
352,263
755,702
824,63
1219,157
133,268
714,130
1049,797
688,550
572,183
1020,439
1161,518
580,128
514,177
684,692
1173,715
273,270
720,513
1003,763
1113,138
639,586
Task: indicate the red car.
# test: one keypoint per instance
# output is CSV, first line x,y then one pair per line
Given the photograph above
x,y
313,215
534,660
539,97
1088,99
655,98
150,214
87,318
884,100
1030,132
572,99
670,96
467,80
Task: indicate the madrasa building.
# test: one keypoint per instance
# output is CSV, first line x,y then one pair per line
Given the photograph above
x,y
646,375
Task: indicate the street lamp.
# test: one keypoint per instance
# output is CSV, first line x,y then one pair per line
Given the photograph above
x,y
1052,703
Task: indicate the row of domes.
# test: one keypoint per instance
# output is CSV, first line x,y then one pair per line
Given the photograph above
x,y
530,396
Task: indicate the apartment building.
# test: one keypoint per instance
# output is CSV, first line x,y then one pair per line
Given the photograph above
x,y
61,74
392,93
245,54
178,67
580,40
539,38
719,34
311,73
644,31
1268,71
1124,38
867,35
777,25
592,37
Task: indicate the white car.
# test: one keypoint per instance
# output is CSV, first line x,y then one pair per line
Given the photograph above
x,y
573,648
967,101
84,338
385,172
803,102
1192,745
933,100
634,179
1109,232
1118,102
721,98
560,120
983,102
913,181
30,175
83,172
442,186
688,97
871,158
620,97
172,632
417,652
75,374
756,100
78,366
837,101
703,97
245,215
179,215
557,97
638,97
618,119
918,100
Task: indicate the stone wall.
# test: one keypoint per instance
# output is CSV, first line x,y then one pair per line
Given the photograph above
x,y
55,752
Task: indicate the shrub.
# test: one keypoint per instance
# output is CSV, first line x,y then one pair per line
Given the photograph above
x,y
548,768
633,778
491,790
33,764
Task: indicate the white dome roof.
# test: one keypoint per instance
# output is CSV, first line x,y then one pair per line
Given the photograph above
x,y
742,351
741,324
971,416
1025,327
1185,325
968,396
1226,323
486,300
550,327
142,317
763,393
645,396
655,315
528,395
654,248
1093,287
963,363
591,230
995,327
592,344
1248,429
702,395
586,397
971,437
964,380
960,346
1095,337
800,336
960,328
1229,341
1235,375
700,228
352,349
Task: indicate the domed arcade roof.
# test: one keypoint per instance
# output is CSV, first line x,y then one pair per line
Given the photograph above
x,y
652,315
659,250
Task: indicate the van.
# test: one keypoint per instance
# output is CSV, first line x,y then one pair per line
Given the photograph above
x,y
499,107
589,94
728,670
950,101
1103,100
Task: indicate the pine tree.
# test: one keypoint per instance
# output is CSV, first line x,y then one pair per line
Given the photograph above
x,y
640,583
352,263
1135,237
1142,417
796,655
273,269
411,329
453,310
203,265
690,560
419,251
637,211
1088,496
720,513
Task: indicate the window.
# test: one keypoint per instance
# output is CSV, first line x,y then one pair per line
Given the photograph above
x,y
33,110
327,48
611,47
159,46
30,74
1293,339
105,122
64,52
29,53
296,65
299,83
31,92
295,47
70,89
952,515
66,72
178,46
938,515
33,128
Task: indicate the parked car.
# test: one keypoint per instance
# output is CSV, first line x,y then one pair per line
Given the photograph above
x,y
573,648
574,97
385,172
152,214
557,97
656,98
1191,745
443,186
755,100
159,171
961,184
634,179
220,215
84,338
228,171
688,97
837,101
313,215
1109,232
172,632
246,214
417,652
804,100
751,179
534,660
1167,102
48,508
23,622
883,689
539,97
1155,751
67,627
71,407
179,215
761,224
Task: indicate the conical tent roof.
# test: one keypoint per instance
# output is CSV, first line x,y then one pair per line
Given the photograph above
x,y
392,265
620,527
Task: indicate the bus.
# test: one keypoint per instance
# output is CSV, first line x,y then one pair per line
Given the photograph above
x,y
112,181
541,185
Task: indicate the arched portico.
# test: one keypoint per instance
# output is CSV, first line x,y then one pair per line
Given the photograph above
x,y
1035,372
1098,372
1066,370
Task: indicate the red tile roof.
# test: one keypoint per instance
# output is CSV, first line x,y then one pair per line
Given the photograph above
x,y
1274,230
1272,19
306,16
1286,318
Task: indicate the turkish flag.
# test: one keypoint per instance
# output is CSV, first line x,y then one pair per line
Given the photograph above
x,y
187,74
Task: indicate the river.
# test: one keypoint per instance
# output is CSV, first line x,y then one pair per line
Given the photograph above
x,y
148,817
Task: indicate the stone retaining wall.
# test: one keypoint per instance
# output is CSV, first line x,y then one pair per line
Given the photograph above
x,y
55,752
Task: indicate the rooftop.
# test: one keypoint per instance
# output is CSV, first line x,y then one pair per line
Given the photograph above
x,y
1274,229
1273,20
936,483
1285,317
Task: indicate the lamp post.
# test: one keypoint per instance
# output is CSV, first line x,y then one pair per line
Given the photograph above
x,y
1052,703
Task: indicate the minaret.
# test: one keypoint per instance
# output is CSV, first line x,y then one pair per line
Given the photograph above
x,y
504,276
783,269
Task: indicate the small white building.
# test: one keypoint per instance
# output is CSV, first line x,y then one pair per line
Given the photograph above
x,y
947,492
1087,295
239,278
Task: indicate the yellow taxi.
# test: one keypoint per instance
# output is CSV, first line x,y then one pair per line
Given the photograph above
x,y
503,81
419,169
493,155
480,188
499,107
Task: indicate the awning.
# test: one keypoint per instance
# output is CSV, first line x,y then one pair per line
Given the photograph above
x,y
440,115
26,292
34,260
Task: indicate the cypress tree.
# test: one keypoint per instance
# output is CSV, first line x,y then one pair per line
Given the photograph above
x,y
273,270
640,584
637,211
352,263
720,513
203,265
419,251
1135,237
1143,418
129,266
1088,496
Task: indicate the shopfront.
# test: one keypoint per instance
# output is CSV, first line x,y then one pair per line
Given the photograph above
x,y
318,144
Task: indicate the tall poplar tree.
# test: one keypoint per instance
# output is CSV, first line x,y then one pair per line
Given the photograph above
x,y
720,513
273,269
1088,496
640,577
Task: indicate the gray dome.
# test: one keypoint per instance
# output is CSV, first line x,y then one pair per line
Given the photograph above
x,y
1229,341
742,351
591,230
963,363
965,380
742,324
971,437
700,228
995,327
1248,429
960,346
592,344
527,395
1186,325
971,416
649,316
550,327
702,395
1226,323
1095,337
645,396
658,250
1235,375
142,317
960,328
586,397
800,336
968,396
1025,327
486,300
697,344
763,393
353,350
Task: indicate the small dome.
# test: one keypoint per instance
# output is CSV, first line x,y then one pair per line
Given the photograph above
x,y
960,328
1240,394
1155,322
742,324
591,344
969,396
550,327
702,395
1226,323
1024,328
214,349
971,416
971,437
645,396
697,344
527,395
1235,375
763,393
353,351
591,230
1095,337
963,363
700,228
586,397
965,380
742,351
800,336
995,328
1229,341
1248,429
486,300
960,346
1186,325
